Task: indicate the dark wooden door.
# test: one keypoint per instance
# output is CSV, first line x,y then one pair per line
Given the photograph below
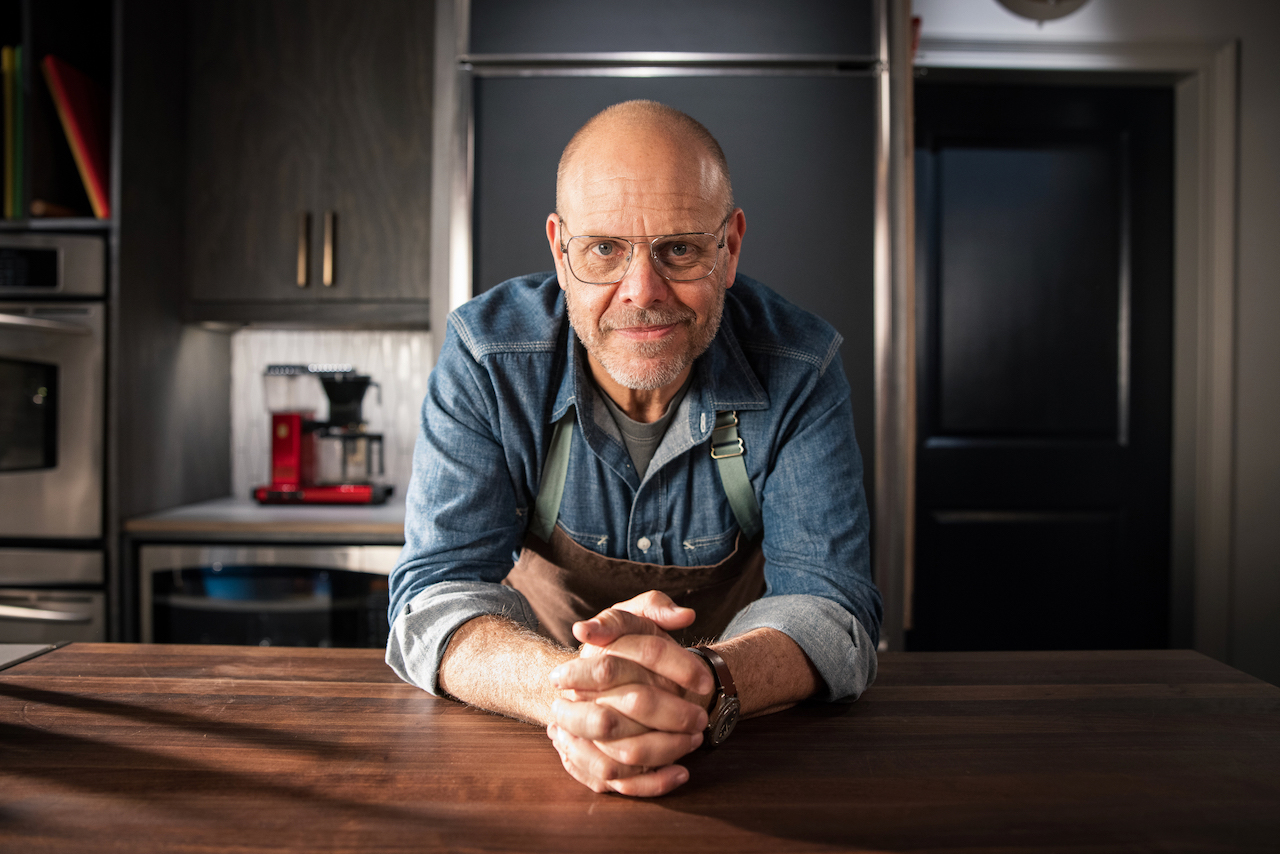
x,y
1045,366
309,106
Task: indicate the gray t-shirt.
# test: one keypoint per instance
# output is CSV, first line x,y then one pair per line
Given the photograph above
x,y
643,439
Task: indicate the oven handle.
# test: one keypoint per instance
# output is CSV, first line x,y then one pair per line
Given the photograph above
x,y
42,615
21,321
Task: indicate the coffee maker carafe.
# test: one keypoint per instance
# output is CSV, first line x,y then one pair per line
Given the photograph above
x,y
321,462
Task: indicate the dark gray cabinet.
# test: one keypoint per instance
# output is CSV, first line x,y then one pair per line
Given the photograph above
x,y
308,188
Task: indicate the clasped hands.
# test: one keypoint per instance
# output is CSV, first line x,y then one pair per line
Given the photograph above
x,y
633,702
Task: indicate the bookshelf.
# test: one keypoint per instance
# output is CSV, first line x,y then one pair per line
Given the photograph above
x,y
168,387
44,170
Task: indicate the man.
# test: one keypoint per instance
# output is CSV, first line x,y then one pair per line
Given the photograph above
x,y
656,434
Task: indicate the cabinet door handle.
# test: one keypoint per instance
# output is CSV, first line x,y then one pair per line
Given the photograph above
x,y
304,244
330,237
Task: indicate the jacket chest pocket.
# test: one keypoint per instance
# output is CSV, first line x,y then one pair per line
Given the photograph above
x,y
710,549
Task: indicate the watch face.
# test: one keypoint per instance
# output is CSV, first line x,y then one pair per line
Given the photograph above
x,y
726,720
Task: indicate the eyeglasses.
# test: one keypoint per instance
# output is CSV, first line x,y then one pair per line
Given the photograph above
x,y
599,260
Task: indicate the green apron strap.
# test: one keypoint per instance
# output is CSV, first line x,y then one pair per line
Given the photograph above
x,y
727,450
554,472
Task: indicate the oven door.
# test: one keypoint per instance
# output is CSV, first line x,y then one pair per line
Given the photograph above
x,y
266,595
51,422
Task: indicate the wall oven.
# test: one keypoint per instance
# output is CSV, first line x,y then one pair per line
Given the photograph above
x,y
265,595
52,375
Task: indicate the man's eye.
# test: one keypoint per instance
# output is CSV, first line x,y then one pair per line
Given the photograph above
x,y
605,249
677,252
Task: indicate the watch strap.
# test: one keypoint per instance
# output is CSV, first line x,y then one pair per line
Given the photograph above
x,y
724,679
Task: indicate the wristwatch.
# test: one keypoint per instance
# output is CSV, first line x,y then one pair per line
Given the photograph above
x,y
724,711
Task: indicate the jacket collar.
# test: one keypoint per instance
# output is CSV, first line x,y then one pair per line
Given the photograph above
x,y
723,379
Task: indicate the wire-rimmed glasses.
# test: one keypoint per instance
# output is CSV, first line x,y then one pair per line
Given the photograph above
x,y
598,259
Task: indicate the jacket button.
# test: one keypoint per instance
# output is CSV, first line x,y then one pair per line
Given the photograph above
x,y
643,544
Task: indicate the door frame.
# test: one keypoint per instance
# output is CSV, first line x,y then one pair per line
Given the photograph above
x,y
1205,79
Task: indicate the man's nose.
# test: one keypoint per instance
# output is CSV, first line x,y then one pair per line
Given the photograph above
x,y
643,285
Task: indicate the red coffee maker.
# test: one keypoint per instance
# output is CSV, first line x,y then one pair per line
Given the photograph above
x,y
321,462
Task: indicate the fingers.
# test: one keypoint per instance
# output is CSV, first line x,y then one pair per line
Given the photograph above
x,y
659,607
595,722
649,613
628,711
648,659
651,750
666,658
646,748
651,785
589,765
654,709
602,672
611,624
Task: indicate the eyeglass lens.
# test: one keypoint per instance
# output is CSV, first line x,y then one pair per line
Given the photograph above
x,y
678,257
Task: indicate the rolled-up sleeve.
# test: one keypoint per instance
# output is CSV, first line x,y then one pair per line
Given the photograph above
x,y
819,590
463,521
421,632
836,643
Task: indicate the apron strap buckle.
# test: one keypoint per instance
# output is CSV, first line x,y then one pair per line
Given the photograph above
x,y
728,449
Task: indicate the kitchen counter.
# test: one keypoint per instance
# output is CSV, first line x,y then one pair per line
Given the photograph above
x,y
243,519
16,653
247,749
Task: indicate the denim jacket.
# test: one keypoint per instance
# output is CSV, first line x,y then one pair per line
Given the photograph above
x,y
511,366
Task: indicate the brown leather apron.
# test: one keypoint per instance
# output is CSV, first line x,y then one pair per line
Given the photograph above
x,y
565,582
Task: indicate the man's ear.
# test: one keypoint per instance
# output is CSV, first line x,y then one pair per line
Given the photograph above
x,y
553,227
734,229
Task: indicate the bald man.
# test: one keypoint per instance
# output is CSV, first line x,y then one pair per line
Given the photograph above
x,y
636,510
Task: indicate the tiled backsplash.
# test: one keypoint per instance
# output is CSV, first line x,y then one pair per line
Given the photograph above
x,y
398,361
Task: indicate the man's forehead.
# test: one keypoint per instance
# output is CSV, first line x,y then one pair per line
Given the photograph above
x,y
633,208
664,188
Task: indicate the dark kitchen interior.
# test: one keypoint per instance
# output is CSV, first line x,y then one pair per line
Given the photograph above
x,y
230,235
263,149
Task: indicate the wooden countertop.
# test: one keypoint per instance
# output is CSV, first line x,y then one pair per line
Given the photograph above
x,y
150,748
242,517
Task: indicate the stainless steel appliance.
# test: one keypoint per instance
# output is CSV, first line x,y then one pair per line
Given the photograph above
x,y
52,363
266,595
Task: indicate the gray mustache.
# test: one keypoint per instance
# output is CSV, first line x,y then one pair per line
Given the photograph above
x,y
625,318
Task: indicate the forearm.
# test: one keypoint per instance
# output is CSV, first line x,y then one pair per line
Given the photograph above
x,y
770,670
494,663
832,639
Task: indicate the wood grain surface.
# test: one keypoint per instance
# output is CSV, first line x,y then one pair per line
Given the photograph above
x,y
171,748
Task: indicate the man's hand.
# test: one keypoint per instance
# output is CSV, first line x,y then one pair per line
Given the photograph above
x,y
633,702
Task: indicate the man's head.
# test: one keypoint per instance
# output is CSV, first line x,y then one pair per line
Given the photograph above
x,y
639,170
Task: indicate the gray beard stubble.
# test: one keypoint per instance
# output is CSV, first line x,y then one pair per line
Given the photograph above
x,y
653,372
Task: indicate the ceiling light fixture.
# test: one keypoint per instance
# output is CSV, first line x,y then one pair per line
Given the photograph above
x,y
1042,10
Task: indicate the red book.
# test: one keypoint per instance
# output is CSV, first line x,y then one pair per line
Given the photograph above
x,y
83,109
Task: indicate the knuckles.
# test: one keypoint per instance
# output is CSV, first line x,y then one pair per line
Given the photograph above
x,y
653,599
603,723
606,670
